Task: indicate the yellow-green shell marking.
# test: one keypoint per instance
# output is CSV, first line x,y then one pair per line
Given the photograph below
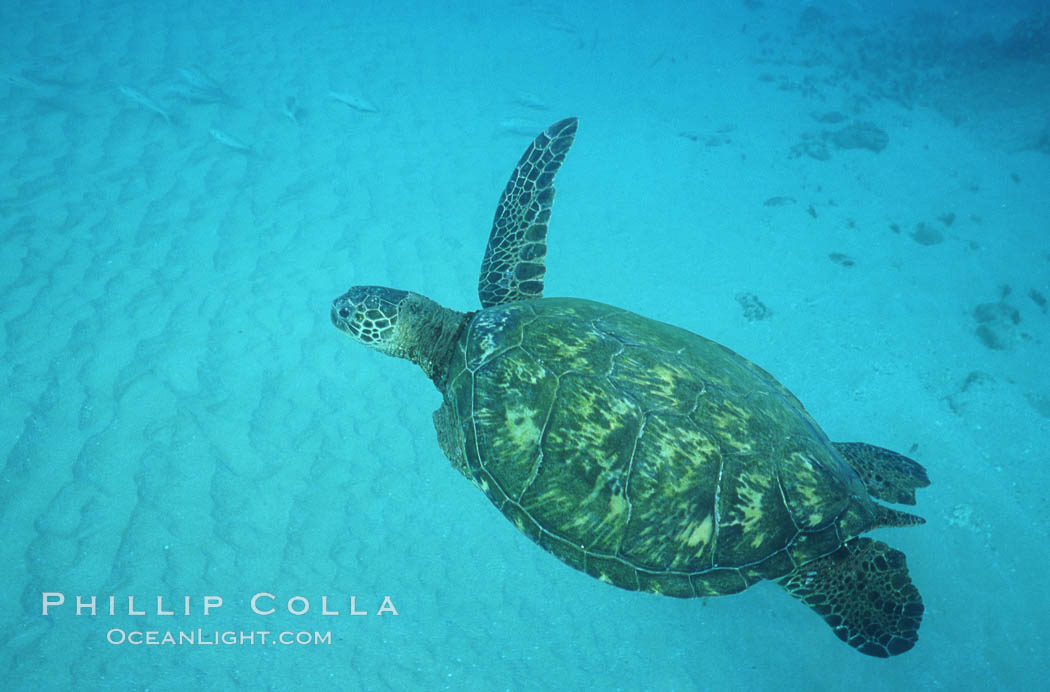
x,y
643,454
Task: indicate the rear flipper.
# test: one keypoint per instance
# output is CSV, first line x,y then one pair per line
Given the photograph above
x,y
888,476
863,591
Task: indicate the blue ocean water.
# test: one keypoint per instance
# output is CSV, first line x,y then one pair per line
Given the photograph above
x,y
854,197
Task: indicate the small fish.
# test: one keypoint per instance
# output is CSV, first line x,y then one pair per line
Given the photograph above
x,y
20,81
145,101
524,98
229,140
192,94
196,77
198,87
520,126
559,24
291,109
355,102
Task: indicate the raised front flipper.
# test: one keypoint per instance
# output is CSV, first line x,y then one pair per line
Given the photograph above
x,y
513,267
888,476
863,591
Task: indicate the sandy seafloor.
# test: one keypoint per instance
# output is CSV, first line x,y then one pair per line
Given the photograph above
x,y
179,417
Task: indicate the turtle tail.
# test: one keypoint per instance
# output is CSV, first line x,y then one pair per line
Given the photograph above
x,y
888,517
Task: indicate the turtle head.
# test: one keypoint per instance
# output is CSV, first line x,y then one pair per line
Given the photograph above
x,y
399,323
371,315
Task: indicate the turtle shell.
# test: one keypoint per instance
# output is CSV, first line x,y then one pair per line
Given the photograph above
x,y
640,453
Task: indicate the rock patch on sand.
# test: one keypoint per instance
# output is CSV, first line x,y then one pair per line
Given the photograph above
x,y
861,135
754,309
856,135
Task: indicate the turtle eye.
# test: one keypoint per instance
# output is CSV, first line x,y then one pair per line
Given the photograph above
x,y
344,313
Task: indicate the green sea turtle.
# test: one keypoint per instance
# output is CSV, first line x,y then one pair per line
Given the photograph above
x,y
640,453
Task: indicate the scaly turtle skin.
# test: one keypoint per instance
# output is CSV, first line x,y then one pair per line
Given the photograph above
x,y
640,453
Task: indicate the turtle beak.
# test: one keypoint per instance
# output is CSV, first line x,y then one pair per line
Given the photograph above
x,y
338,320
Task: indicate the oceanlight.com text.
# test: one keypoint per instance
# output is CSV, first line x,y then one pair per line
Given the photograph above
x,y
202,637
